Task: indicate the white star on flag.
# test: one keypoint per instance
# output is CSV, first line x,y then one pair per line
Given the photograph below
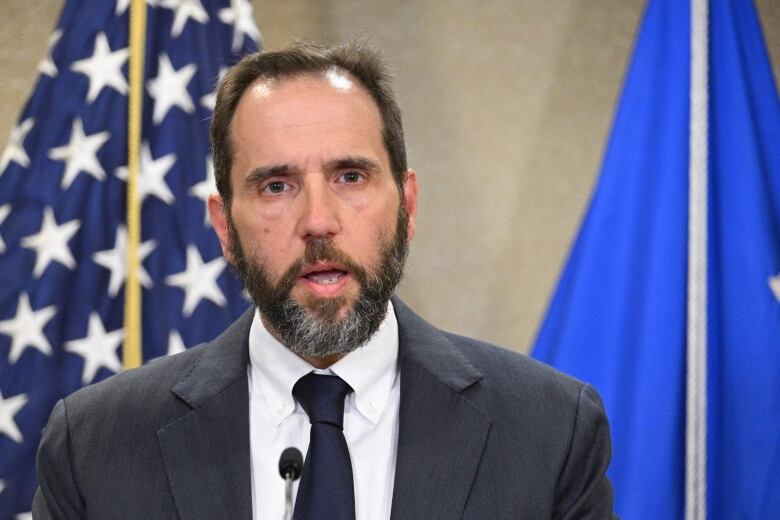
x,y
121,7
15,150
774,284
26,328
103,68
240,15
151,180
115,260
175,343
8,409
210,99
80,154
169,88
47,66
98,348
24,516
5,210
185,9
198,280
51,242
2,485
204,188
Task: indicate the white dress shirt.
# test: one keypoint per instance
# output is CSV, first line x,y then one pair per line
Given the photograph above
x,y
277,422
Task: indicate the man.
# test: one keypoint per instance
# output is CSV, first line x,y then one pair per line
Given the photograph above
x,y
315,210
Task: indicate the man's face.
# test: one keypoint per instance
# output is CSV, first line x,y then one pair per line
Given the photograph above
x,y
317,227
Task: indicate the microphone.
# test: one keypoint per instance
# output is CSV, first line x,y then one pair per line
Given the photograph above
x,y
290,464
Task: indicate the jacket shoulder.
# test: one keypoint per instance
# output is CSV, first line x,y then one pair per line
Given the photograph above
x,y
133,390
490,374
147,387
547,419
516,372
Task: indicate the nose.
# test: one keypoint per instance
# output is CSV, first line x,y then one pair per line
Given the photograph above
x,y
319,210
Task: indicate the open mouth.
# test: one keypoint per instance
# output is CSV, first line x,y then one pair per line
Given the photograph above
x,y
325,279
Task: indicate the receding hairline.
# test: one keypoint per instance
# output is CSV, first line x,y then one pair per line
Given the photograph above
x,y
273,82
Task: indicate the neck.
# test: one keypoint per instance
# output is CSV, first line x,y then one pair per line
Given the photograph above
x,y
322,362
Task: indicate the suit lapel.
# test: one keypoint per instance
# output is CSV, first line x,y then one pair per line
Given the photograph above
x,y
440,442
441,434
206,452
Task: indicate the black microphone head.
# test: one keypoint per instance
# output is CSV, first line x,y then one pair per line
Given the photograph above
x,y
291,463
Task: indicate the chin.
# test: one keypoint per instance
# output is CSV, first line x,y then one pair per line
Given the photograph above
x,y
332,310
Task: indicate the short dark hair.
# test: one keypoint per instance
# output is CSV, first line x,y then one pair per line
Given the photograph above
x,y
361,60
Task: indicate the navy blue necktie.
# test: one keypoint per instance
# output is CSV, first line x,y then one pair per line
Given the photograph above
x,y
326,490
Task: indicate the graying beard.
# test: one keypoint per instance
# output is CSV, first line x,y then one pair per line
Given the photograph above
x,y
308,336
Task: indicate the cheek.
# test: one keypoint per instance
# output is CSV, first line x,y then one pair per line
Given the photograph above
x,y
376,208
259,240
375,231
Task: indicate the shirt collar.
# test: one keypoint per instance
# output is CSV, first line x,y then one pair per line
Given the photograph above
x,y
370,370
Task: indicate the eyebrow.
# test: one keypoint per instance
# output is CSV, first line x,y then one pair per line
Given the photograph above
x,y
258,174
357,162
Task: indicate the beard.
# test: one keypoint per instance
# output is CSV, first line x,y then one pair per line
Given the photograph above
x,y
314,327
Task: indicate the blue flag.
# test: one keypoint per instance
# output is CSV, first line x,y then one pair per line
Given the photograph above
x,y
619,316
63,234
744,259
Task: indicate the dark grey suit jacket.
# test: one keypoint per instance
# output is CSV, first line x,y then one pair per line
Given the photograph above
x,y
484,433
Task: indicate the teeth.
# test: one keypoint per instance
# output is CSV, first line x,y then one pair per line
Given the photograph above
x,y
326,278
328,281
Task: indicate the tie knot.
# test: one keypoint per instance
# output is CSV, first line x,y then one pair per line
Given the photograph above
x,y
322,397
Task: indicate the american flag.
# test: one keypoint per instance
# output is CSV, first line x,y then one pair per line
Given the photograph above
x,y
63,233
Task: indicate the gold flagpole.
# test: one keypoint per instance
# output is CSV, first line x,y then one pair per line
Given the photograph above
x,y
132,325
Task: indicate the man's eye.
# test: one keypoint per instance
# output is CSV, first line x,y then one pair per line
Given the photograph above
x,y
351,177
275,187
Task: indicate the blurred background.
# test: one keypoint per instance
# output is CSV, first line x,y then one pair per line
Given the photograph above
x,y
507,108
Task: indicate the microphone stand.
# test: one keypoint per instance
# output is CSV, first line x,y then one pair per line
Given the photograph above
x,y
290,466
288,501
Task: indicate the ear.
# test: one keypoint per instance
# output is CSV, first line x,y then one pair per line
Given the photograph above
x,y
219,220
410,197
